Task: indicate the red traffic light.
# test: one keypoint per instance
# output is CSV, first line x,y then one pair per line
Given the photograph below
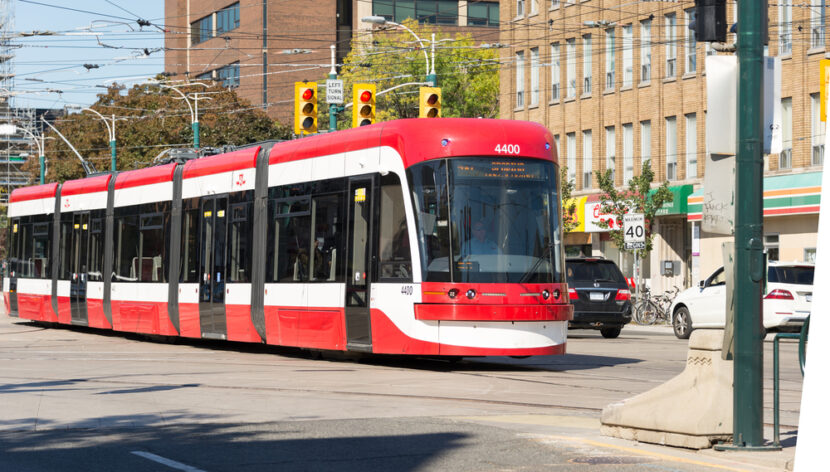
x,y
433,97
365,96
307,94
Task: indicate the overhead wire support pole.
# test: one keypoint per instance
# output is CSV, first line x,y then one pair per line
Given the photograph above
x,y
111,131
749,247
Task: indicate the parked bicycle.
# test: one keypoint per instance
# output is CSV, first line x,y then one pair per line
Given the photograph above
x,y
650,308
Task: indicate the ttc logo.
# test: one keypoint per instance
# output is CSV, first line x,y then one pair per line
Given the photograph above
x,y
240,180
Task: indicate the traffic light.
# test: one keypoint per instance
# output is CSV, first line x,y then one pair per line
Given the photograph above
x,y
430,106
363,101
305,107
710,20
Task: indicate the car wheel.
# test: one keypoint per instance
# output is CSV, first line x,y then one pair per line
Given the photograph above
x,y
610,333
682,323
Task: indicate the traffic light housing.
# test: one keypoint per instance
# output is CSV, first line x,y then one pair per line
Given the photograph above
x,y
363,103
710,20
430,103
305,107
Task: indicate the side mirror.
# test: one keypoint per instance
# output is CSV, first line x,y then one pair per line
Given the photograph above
x,y
701,284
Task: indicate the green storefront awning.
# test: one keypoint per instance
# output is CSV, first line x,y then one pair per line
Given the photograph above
x,y
679,205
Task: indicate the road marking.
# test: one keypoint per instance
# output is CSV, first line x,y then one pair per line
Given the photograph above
x,y
168,462
666,457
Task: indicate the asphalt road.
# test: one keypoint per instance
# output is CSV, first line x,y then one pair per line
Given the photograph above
x,y
75,399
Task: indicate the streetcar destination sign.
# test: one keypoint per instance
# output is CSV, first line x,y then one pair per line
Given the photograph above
x,y
634,231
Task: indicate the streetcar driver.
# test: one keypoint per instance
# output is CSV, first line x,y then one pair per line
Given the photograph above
x,y
480,242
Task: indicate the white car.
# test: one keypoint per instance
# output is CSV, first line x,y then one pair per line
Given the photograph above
x,y
787,299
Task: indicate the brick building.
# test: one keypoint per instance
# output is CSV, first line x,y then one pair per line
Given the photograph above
x,y
231,41
619,82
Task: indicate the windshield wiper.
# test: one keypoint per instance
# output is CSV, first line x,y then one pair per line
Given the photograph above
x,y
545,254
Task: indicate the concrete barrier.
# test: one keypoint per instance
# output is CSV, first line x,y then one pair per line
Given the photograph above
x,y
692,410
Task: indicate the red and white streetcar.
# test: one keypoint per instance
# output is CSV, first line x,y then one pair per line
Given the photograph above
x,y
423,237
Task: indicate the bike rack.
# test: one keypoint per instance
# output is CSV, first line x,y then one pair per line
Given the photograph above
x,y
802,358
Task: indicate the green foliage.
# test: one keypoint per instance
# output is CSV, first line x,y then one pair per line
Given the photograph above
x,y
569,219
468,75
637,198
154,119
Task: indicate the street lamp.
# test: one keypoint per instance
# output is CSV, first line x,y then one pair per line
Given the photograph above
x,y
110,130
194,112
379,20
10,129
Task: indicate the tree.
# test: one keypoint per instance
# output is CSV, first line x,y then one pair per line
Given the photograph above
x,y
467,74
638,198
154,119
569,217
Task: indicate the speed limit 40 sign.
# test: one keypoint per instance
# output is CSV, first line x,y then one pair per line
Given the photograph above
x,y
634,231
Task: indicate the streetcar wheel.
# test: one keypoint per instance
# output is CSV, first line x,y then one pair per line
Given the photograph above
x,y
682,323
610,333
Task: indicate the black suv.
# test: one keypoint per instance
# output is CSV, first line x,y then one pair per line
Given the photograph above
x,y
599,294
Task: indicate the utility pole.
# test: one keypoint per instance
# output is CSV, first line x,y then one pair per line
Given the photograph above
x,y
750,266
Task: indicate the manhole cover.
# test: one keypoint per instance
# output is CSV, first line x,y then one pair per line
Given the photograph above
x,y
610,460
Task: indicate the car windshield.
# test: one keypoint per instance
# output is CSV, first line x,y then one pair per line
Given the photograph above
x,y
593,271
488,220
800,275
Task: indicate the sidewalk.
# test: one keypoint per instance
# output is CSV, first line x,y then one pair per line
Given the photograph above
x,y
581,433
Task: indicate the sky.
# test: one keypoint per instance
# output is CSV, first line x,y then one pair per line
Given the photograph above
x,y
44,65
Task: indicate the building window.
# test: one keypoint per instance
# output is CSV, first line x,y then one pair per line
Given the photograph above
x,y
442,12
785,28
227,19
771,244
571,150
810,254
671,148
556,145
785,158
610,151
628,152
671,46
691,146
645,51
483,14
520,7
534,77
201,30
628,56
554,4
555,71
817,24
609,59
570,66
587,159
817,131
520,79
645,141
586,65
228,75
691,44
534,7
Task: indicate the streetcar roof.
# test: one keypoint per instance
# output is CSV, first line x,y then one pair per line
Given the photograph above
x,y
99,183
147,176
236,160
33,193
418,140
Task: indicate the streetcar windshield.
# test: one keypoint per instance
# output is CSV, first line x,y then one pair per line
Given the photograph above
x,y
488,220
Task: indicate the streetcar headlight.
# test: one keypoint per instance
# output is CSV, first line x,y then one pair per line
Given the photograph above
x,y
471,294
545,294
452,293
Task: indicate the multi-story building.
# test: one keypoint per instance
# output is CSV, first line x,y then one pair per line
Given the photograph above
x,y
620,82
262,47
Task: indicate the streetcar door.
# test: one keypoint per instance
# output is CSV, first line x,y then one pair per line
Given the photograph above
x,y
358,265
212,256
78,265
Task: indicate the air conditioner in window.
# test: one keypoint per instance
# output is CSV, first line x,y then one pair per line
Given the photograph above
x,y
609,80
645,73
586,85
670,67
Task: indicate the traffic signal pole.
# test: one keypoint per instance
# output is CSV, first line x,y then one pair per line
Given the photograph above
x,y
749,247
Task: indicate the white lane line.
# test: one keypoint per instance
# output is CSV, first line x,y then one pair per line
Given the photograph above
x,y
168,462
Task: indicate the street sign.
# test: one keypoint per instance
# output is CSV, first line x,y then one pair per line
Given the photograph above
x,y
334,92
634,231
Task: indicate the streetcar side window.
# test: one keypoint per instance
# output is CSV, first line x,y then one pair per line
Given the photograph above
x,y
395,254
327,240
96,246
240,243
127,238
190,249
65,247
41,245
12,254
430,197
148,266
